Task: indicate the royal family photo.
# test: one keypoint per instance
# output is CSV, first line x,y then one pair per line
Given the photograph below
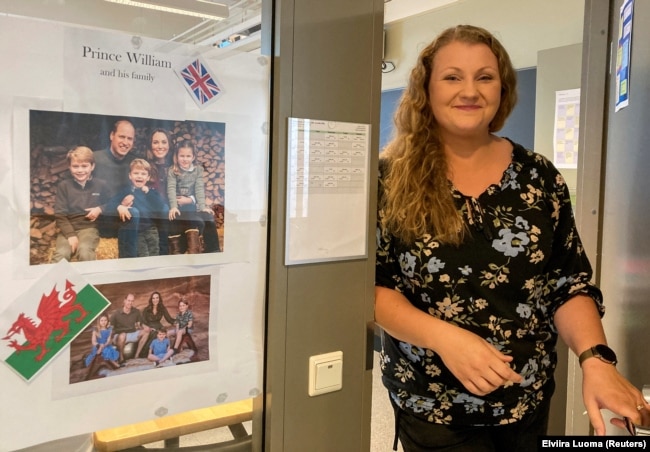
x,y
149,325
108,187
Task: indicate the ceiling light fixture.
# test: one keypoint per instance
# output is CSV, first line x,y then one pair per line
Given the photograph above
x,y
204,10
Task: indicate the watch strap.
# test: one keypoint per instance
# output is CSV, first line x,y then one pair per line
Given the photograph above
x,y
594,352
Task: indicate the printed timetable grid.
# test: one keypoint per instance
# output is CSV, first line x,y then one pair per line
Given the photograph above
x,y
327,188
329,161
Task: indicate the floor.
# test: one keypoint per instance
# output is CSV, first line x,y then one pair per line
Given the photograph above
x,y
382,422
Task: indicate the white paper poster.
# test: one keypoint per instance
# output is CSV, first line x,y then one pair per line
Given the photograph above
x,y
328,190
113,69
624,55
71,87
567,128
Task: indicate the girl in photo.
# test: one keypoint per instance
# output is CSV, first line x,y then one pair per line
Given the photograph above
x,y
101,342
188,213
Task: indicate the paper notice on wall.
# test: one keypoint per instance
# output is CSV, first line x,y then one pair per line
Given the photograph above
x,y
54,98
120,74
623,54
567,123
328,190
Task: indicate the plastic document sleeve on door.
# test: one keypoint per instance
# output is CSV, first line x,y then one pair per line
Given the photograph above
x,y
327,192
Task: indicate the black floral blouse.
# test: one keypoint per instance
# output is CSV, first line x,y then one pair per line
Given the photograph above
x,y
520,261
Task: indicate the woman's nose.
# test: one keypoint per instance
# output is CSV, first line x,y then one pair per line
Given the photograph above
x,y
469,88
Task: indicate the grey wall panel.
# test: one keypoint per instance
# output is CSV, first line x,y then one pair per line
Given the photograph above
x,y
557,69
326,313
612,205
327,65
625,263
595,53
333,60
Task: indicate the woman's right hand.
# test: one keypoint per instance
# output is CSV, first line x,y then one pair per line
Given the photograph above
x,y
173,213
479,366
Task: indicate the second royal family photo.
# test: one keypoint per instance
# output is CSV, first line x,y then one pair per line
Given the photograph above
x,y
149,324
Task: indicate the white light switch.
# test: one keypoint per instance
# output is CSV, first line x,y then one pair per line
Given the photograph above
x,y
325,373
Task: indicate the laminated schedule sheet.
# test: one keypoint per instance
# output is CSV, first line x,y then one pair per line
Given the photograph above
x,y
327,205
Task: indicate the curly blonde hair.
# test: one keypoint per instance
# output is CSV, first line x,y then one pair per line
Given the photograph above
x,y
416,196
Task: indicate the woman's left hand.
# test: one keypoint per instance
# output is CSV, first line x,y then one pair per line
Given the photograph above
x,y
603,387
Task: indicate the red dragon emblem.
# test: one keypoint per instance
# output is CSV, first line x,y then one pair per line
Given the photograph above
x,y
52,313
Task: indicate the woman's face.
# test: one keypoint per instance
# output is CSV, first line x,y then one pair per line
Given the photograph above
x,y
464,89
155,299
159,145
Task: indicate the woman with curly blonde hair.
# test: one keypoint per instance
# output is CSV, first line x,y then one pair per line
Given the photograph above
x,y
418,175
480,266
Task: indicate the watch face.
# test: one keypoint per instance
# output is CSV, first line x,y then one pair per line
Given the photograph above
x,y
606,353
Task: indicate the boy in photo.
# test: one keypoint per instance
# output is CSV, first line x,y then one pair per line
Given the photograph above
x,y
137,205
159,350
80,200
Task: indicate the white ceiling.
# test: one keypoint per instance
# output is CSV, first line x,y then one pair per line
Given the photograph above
x,y
395,10
162,25
135,20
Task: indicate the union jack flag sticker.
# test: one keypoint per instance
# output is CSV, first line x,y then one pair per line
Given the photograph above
x,y
200,83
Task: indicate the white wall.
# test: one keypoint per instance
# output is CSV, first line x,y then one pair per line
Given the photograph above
x,y
523,26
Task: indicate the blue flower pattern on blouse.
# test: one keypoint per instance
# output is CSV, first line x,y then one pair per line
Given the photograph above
x,y
521,260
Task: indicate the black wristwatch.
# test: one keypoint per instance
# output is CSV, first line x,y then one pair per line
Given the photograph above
x,y
600,351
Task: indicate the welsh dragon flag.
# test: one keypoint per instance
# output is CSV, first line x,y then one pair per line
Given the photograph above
x,y
39,324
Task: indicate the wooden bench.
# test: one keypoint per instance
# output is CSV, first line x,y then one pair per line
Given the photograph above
x,y
170,428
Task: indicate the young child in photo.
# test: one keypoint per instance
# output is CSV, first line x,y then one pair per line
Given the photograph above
x,y
188,213
184,322
138,205
80,200
101,342
159,350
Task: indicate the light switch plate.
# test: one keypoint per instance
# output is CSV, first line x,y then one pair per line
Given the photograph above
x,y
325,373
